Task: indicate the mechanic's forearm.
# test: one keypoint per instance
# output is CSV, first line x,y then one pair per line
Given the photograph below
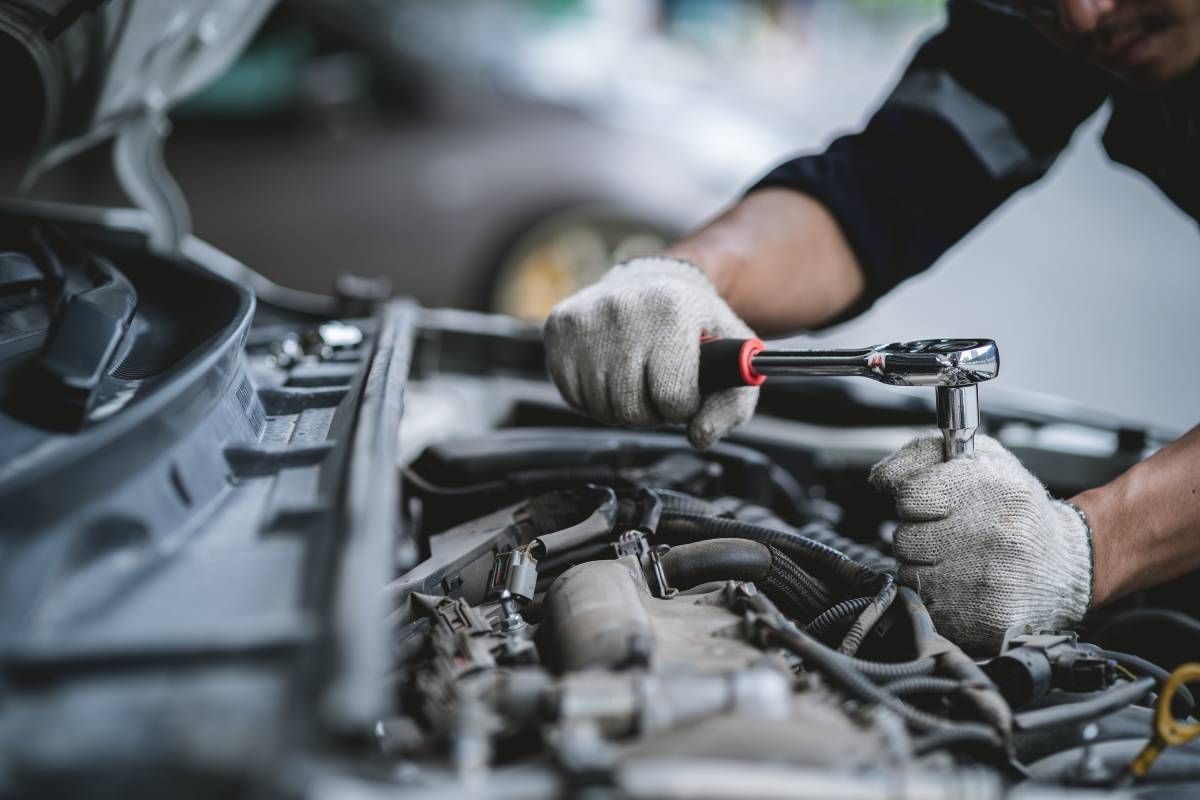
x,y
779,259
1146,523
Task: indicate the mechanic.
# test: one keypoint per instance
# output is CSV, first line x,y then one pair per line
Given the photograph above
x,y
983,110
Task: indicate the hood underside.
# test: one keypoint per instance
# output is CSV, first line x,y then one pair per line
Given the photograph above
x,y
103,64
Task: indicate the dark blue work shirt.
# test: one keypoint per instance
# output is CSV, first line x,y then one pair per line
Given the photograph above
x,y
983,110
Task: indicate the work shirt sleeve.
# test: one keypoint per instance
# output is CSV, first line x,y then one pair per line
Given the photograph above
x,y
983,110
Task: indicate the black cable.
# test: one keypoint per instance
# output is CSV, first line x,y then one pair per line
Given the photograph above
x,y
845,672
1183,703
786,486
1098,705
893,670
810,596
487,487
950,737
924,684
837,631
831,616
67,17
857,551
49,263
868,617
954,663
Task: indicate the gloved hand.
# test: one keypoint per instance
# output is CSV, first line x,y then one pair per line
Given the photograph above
x,y
626,350
983,543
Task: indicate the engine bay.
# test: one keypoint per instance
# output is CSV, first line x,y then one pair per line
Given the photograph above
x,y
613,609
368,551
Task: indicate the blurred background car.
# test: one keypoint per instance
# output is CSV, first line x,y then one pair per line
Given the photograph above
x,y
498,155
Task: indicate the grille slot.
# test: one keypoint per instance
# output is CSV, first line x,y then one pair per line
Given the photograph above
x,y
251,405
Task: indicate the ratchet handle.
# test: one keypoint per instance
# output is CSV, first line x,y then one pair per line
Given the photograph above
x,y
728,364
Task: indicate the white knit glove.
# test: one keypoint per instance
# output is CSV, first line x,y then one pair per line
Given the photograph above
x,y
983,543
626,350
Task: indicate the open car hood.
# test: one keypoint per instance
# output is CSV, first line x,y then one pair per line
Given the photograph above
x,y
105,64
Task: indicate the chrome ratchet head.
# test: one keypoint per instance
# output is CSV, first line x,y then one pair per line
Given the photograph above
x,y
954,367
935,362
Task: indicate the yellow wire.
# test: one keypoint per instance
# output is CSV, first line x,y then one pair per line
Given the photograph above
x,y
1168,731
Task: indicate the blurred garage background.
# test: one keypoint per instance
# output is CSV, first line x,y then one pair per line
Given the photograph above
x,y
498,154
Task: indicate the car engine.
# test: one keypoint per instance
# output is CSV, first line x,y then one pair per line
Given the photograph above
x,y
613,611
366,551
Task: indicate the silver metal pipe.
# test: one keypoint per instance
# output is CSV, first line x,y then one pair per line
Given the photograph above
x,y
680,779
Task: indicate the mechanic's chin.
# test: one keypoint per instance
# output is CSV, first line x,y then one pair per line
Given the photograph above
x,y
1150,61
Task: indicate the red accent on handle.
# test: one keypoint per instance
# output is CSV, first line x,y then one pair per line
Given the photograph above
x,y
728,364
751,348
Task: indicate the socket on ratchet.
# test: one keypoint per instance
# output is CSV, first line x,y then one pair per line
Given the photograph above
x,y
954,367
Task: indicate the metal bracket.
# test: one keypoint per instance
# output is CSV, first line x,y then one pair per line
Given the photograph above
x,y
661,587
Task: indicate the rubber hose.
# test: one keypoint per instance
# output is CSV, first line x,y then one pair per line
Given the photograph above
x,y
923,684
850,573
690,565
549,513
800,594
599,524
1131,722
1103,703
831,616
799,549
649,511
1182,704
1141,617
786,486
